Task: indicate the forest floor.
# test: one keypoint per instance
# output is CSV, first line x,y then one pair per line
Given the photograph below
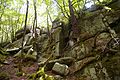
x,y
10,70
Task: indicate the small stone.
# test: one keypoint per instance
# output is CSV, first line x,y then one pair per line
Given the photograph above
x,y
60,69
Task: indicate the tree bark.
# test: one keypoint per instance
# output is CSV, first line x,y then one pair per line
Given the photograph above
x,y
74,22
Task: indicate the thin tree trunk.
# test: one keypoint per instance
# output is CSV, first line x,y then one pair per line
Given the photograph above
x,y
25,24
49,15
74,22
22,51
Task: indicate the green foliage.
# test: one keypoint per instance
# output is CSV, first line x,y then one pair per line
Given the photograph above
x,y
78,4
10,17
12,13
108,8
48,2
19,74
40,75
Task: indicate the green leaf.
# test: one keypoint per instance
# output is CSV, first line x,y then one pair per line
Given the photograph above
x,y
41,72
108,8
48,2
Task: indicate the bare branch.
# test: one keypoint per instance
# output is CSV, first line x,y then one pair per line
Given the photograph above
x,y
48,22
2,12
49,14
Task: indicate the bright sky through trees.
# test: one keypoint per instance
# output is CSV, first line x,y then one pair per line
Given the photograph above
x,y
41,10
89,3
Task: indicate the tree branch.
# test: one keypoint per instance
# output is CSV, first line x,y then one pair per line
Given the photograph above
x,y
61,9
49,14
35,20
65,9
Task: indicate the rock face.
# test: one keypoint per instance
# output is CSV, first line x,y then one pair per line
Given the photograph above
x,y
60,69
57,37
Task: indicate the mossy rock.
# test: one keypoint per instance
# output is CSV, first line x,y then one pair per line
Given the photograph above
x,y
112,64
